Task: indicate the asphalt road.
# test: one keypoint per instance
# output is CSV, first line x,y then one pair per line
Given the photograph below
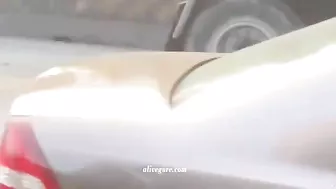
x,y
22,59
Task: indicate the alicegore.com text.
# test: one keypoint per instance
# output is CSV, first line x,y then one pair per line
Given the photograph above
x,y
151,169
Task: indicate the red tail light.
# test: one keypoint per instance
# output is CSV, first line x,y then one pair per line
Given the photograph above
x,y
22,163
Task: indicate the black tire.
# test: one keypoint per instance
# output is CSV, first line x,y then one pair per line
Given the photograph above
x,y
271,17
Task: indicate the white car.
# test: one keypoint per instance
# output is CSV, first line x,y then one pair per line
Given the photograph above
x,y
258,118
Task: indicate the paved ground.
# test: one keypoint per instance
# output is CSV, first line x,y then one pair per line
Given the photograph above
x,y
22,59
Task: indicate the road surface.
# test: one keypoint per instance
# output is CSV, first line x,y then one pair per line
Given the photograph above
x,y
22,59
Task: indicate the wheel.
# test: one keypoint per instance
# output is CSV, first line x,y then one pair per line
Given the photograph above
x,y
236,24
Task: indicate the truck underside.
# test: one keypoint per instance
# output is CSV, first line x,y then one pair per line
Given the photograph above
x,y
307,11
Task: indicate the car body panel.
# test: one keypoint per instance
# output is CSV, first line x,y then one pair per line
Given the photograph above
x,y
269,126
280,50
122,68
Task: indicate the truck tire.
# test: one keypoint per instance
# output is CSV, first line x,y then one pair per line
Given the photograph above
x,y
235,24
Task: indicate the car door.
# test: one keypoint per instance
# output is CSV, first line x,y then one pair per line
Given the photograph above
x,y
136,23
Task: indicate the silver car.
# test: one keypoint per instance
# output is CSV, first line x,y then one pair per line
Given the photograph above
x,y
262,117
